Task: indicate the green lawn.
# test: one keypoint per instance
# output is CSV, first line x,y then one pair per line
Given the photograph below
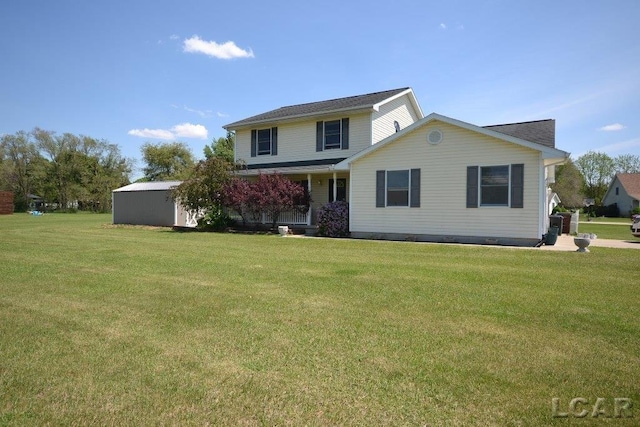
x,y
104,325
610,230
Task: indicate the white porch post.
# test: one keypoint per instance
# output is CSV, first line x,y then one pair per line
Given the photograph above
x,y
335,187
309,189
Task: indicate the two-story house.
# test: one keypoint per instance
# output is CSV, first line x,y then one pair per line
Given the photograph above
x,y
407,176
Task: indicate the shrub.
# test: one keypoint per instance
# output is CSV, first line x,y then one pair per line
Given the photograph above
x,y
635,211
333,219
215,220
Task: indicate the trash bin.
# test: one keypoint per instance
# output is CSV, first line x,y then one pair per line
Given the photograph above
x,y
556,221
552,236
566,223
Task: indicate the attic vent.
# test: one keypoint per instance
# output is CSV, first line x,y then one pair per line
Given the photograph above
x,y
434,137
396,125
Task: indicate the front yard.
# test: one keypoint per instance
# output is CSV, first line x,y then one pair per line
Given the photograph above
x,y
119,325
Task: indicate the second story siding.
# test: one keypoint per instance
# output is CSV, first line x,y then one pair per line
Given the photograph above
x,y
397,110
297,141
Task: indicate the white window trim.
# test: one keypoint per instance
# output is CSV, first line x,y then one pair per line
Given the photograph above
x,y
258,153
386,189
324,135
483,205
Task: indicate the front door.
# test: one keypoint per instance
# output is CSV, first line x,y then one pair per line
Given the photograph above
x,y
341,193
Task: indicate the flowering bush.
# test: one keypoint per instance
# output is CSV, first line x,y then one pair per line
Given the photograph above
x,y
333,219
269,194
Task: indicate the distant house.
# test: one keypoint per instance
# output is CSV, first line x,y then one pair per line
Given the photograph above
x,y
149,203
407,176
624,191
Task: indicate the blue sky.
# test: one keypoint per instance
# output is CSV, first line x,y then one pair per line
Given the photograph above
x,y
136,71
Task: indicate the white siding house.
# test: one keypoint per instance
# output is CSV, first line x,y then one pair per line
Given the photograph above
x,y
406,176
443,211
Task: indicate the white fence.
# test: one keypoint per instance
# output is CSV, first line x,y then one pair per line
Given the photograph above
x,y
292,217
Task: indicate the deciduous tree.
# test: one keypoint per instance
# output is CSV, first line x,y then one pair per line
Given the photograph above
x,y
569,185
222,147
597,170
166,161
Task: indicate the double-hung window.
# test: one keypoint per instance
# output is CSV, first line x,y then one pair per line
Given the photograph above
x,y
501,185
264,142
332,135
398,188
494,186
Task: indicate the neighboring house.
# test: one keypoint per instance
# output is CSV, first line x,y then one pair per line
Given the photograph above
x,y
554,200
407,176
623,191
149,203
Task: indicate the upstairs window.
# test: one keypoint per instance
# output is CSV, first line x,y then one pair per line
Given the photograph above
x,y
264,142
332,135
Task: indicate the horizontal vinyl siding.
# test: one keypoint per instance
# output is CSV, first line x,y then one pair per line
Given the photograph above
x,y
297,141
443,187
400,110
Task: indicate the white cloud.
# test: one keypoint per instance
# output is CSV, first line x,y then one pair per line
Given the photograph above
x,y
184,130
219,114
612,128
151,133
443,26
227,50
188,130
174,37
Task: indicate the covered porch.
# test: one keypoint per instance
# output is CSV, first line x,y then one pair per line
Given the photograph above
x,y
324,185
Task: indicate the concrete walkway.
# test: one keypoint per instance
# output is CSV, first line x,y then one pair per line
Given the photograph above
x,y
565,243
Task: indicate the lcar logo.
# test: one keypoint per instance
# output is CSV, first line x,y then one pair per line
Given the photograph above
x,y
579,407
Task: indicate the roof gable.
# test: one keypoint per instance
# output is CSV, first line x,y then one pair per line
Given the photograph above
x,y
546,151
359,102
631,183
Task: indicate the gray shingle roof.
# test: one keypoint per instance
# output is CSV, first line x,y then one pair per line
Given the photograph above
x,y
321,107
631,183
539,131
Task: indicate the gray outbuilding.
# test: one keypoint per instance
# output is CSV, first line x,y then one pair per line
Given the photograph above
x,y
149,203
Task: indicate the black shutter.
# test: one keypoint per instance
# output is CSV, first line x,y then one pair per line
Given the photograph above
x,y
472,186
380,188
254,142
415,188
517,186
319,136
345,134
274,141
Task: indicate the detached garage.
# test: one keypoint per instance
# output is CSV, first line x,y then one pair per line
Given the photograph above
x,y
149,203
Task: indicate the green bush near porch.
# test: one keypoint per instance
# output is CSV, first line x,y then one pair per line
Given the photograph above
x,y
123,325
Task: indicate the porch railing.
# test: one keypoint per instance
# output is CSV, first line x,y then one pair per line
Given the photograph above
x,y
292,217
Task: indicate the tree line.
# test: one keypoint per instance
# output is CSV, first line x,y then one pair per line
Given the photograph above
x,y
79,172
66,171
589,176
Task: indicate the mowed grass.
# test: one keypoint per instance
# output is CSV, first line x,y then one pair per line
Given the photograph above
x,y
112,325
613,230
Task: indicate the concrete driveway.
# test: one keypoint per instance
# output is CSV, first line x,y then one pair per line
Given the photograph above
x,y
565,243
